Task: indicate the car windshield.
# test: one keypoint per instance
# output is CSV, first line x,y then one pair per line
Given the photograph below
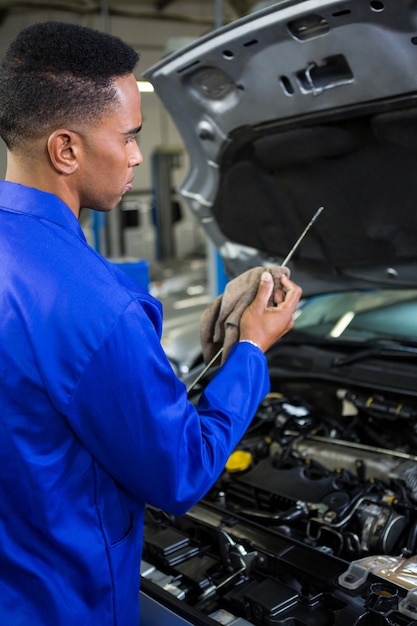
x,y
370,314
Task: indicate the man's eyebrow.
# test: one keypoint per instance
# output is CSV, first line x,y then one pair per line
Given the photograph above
x,y
133,131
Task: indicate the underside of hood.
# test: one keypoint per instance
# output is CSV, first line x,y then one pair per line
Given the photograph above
x,y
302,105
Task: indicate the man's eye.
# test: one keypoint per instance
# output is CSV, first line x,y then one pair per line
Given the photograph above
x,y
131,139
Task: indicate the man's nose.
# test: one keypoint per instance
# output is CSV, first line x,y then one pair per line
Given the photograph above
x,y
135,158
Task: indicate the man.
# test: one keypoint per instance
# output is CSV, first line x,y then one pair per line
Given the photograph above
x,y
94,424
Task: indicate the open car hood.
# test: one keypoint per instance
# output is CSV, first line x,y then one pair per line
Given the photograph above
x,y
301,105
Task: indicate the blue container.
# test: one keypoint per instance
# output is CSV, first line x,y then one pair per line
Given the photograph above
x,y
137,269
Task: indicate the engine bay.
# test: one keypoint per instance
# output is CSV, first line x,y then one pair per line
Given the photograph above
x,y
312,522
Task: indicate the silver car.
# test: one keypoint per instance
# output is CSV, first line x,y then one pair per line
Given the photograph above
x,y
298,106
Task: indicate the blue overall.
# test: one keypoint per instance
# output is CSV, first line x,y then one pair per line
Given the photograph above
x,y
94,423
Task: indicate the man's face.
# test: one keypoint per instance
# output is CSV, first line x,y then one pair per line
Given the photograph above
x,y
110,151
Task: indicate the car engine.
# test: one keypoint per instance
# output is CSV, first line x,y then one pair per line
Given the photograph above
x,y
312,522
315,483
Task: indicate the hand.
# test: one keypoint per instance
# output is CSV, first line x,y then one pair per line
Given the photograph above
x,y
265,324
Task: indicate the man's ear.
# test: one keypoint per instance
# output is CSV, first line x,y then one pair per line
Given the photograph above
x,y
64,149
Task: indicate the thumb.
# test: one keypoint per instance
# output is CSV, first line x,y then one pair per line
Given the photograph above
x,y
265,288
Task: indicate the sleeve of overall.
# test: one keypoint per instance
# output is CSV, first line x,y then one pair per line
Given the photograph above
x,y
132,413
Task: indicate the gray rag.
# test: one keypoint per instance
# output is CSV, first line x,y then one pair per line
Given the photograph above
x,y
219,325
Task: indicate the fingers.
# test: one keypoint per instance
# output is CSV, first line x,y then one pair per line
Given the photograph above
x,y
292,292
281,315
287,285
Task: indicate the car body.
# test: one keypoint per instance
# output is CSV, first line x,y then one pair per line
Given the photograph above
x,y
302,105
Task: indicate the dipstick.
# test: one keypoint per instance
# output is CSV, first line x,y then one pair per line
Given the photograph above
x,y
301,237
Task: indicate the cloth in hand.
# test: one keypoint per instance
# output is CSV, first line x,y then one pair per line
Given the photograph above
x,y
219,325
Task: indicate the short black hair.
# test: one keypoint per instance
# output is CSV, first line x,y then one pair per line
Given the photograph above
x,y
56,73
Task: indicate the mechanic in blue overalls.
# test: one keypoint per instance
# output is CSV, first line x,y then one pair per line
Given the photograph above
x,y
94,423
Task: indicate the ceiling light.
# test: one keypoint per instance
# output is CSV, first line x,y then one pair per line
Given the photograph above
x,y
145,86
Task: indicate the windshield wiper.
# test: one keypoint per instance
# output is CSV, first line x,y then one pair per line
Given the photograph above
x,y
382,348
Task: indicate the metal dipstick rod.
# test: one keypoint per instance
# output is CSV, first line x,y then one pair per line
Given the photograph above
x,y
301,237
284,262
